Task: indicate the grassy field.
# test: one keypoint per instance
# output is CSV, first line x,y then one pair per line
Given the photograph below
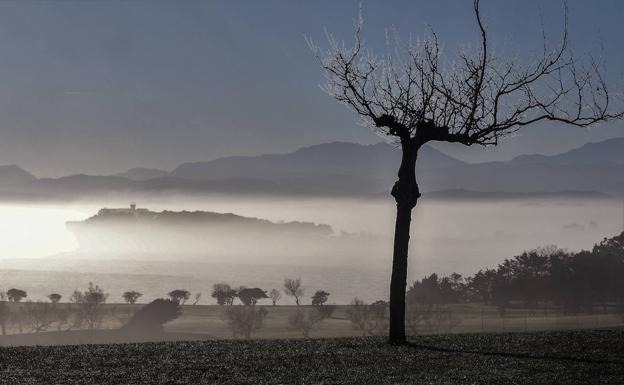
x,y
474,319
576,357
209,321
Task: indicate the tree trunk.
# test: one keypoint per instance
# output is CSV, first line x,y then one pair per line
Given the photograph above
x,y
406,194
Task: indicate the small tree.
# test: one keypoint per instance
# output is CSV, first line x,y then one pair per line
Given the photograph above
x,y
152,317
197,297
40,315
320,298
359,315
308,320
223,293
275,296
131,296
292,287
5,314
89,306
244,320
180,295
54,298
250,296
61,315
16,295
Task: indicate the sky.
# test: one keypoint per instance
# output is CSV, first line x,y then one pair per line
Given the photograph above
x,y
102,86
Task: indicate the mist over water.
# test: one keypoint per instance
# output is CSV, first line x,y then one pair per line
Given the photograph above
x,y
39,254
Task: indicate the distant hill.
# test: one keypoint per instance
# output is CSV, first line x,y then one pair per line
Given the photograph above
x,y
347,169
142,174
134,230
12,175
608,151
338,158
461,194
593,167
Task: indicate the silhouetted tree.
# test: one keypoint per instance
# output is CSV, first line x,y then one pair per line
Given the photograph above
x,y
292,287
413,96
275,296
223,293
16,295
131,296
152,317
54,298
250,296
180,295
319,298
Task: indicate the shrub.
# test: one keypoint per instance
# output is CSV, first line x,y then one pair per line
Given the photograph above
x,y
131,296
223,293
152,317
368,319
16,295
180,295
55,298
250,296
243,320
39,315
309,320
320,298
89,306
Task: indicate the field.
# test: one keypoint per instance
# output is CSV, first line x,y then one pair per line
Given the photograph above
x,y
208,322
474,319
571,357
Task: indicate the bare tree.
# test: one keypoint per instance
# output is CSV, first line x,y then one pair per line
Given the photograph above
x,y
293,288
359,315
89,306
414,96
243,320
40,315
5,313
308,320
275,296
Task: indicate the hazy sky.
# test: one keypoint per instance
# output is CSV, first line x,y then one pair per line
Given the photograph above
x,y
102,86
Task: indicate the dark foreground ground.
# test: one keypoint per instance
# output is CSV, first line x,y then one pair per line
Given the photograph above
x,y
583,357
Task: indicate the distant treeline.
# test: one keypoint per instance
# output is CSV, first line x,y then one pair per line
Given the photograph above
x,y
547,276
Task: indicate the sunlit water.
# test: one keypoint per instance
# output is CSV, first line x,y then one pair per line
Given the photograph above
x,y
446,237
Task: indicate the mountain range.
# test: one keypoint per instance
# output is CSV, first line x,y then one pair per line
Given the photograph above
x,y
349,169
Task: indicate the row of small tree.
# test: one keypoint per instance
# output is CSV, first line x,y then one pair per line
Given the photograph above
x,y
84,311
226,295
